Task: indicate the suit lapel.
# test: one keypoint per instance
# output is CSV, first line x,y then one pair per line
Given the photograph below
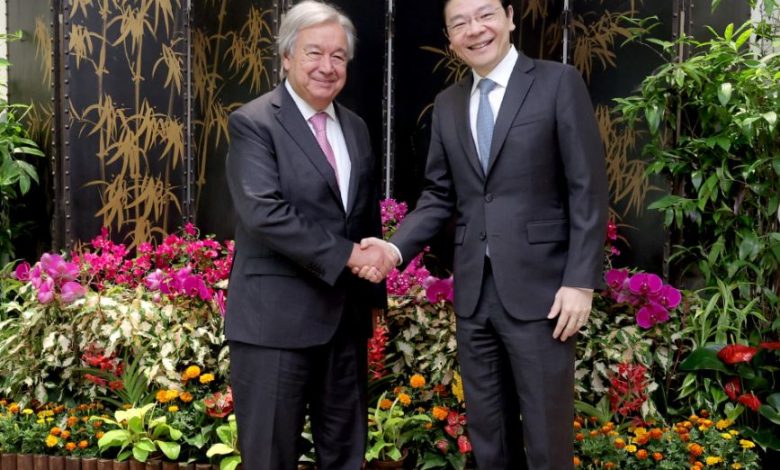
x,y
516,91
354,156
461,113
298,129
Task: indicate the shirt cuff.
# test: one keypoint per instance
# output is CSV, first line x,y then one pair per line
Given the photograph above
x,y
398,253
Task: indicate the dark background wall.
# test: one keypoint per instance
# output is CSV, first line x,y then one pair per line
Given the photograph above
x,y
134,117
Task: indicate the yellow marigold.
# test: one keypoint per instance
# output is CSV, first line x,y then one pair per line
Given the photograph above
x,y
457,387
385,404
417,381
83,444
206,378
723,424
27,411
640,431
746,444
405,399
631,448
70,446
736,465
173,409
726,436
51,441
186,397
440,413
733,432
190,373
713,460
40,421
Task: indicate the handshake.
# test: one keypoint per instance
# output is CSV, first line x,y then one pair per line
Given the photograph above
x,y
373,259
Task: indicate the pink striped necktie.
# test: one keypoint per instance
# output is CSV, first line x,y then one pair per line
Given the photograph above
x,y
318,121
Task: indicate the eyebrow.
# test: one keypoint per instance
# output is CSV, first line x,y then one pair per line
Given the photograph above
x,y
479,11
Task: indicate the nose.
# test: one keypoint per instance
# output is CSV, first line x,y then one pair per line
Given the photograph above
x,y
474,27
326,64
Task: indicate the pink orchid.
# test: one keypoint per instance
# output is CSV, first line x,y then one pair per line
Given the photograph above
x,y
650,314
22,271
46,291
71,291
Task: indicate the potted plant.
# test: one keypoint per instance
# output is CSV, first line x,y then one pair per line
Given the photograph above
x,y
390,428
141,435
227,447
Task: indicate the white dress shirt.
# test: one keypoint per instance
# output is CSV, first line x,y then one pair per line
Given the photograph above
x,y
335,137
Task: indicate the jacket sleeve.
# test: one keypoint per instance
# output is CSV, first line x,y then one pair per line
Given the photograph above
x,y
253,180
436,203
582,153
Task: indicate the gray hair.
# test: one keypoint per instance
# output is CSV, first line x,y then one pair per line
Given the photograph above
x,y
305,15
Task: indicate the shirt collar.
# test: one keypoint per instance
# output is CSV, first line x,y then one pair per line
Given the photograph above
x,y
501,72
305,108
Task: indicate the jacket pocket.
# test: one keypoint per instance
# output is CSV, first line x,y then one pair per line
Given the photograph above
x,y
275,266
547,231
460,234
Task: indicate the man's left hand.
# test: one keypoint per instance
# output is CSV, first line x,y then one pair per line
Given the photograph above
x,y
572,307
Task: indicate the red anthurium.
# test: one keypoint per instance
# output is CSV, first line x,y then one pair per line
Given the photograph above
x,y
464,445
735,353
772,345
733,388
751,401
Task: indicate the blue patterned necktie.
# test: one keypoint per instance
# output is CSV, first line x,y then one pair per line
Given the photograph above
x,y
484,122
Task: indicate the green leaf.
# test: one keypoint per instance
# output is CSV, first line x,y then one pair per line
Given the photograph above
x,y
653,115
114,438
230,463
219,449
770,413
704,358
750,246
140,454
170,449
771,118
724,93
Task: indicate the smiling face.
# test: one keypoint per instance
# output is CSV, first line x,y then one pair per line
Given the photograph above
x,y
479,32
317,67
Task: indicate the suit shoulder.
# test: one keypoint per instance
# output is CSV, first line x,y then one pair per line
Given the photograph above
x,y
550,69
256,107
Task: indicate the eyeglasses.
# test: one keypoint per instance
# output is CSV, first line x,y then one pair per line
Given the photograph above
x,y
338,59
460,24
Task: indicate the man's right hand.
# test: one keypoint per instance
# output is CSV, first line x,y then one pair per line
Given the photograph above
x,y
372,260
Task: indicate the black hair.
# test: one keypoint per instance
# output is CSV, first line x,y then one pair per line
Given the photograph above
x,y
504,4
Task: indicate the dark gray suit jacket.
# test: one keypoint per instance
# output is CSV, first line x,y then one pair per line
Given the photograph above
x,y
542,206
289,286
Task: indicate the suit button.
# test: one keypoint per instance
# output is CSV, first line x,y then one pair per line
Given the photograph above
x,y
482,235
489,197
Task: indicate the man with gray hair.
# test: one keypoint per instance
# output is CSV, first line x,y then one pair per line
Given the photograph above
x,y
301,175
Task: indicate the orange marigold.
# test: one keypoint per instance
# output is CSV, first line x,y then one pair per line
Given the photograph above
x,y
657,456
99,435
405,399
580,437
55,431
65,434
186,397
656,433
70,446
695,449
417,381
83,444
620,443
72,421
440,413
641,454
609,465
576,461
385,404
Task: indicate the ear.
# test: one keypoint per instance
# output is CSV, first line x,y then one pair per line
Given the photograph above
x,y
286,62
511,15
